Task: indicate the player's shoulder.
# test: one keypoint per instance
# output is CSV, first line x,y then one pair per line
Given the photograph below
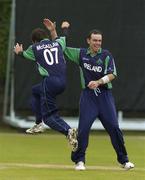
x,y
83,50
60,38
106,52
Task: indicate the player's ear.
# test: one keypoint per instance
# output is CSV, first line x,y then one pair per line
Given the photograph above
x,y
88,40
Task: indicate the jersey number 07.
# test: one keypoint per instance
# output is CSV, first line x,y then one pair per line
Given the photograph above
x,y
50,57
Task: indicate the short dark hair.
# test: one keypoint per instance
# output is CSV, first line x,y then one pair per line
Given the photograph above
x,y
94,31
38,34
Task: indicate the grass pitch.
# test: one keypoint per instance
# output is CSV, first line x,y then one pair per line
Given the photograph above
x,y
47,157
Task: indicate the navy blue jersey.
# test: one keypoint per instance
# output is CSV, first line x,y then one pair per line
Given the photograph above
x,y
49,55
92,67
95,67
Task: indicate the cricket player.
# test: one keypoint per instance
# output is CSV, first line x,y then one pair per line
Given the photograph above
x,y
97,69
48,55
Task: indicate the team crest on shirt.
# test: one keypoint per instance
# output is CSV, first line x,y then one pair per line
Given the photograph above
x,y
99,61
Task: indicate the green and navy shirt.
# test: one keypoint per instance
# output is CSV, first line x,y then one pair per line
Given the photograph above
x,y
92,66
48,56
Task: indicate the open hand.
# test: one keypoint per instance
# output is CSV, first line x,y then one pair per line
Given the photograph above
x,y
18,48
49,24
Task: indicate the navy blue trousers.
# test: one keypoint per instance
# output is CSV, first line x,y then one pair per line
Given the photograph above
x,y
99,104
44,106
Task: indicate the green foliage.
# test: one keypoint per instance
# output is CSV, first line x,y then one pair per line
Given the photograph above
x,y
5,10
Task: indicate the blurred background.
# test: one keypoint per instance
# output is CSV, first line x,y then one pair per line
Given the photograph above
x,y
123,25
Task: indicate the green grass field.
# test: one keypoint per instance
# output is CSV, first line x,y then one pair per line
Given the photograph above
x,y
47,157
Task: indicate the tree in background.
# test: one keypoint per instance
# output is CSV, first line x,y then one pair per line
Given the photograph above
x,y
5,10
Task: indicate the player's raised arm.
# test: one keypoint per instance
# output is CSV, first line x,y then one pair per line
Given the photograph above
x,y
51,26
65,28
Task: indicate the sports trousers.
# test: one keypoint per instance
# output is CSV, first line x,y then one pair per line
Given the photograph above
x,y
94,104
43,103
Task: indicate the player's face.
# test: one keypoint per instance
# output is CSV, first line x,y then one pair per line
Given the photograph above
x,y
95,42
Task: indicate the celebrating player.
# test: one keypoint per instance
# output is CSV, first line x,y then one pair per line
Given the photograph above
x,y
97,71
48,55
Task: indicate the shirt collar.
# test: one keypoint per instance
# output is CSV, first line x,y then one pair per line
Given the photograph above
x,y
45,39
89,52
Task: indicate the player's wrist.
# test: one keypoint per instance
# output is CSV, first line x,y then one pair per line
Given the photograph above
x,y
20,53
52,29
105,79
100,82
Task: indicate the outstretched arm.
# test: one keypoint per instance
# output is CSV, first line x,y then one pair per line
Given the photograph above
x,y
51,27
27,54
72,54
18,49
